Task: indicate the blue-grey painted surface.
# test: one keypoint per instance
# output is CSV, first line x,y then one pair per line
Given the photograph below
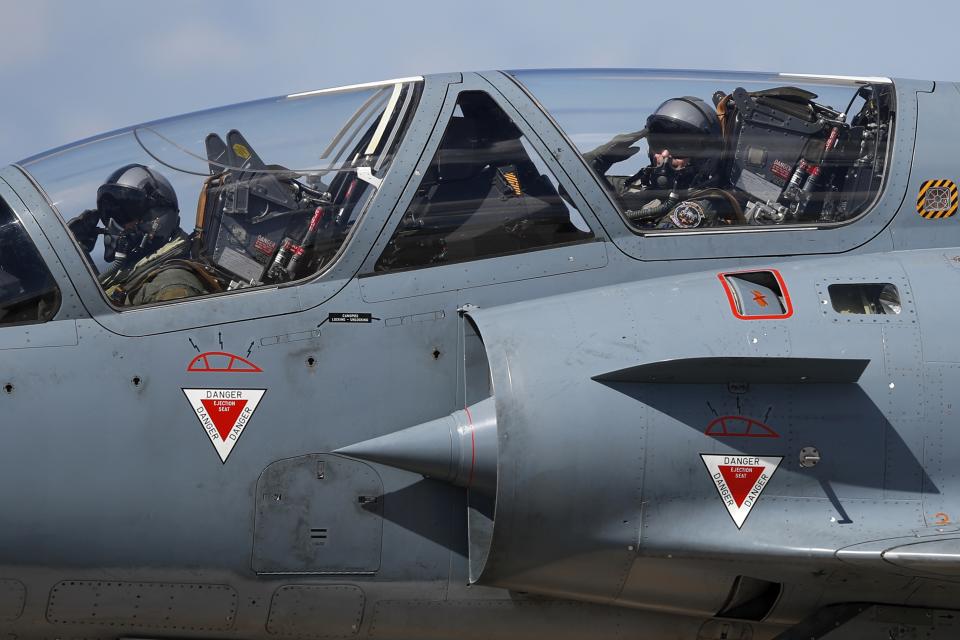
x,y
602,519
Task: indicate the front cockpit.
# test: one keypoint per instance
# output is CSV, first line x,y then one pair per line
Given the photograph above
x,y
689,151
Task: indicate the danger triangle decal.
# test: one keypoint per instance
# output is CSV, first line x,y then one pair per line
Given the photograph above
x,y
740,480
224,414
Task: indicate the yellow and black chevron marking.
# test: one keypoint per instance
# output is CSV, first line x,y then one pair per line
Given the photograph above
x,y
514,183
937,199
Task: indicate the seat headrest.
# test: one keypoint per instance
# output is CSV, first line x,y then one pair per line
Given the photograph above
x,y
457,158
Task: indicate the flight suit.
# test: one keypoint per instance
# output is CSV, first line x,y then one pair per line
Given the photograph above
x,y
705,207
169,284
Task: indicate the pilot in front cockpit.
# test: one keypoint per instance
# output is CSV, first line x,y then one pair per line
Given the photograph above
x,y
681,187
140,217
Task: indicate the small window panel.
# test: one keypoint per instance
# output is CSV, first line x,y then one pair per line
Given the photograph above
x,y
881,298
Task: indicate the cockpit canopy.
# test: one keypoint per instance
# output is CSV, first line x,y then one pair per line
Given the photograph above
x,y
268,191
749,149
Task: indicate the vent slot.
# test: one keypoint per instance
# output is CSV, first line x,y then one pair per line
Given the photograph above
x,y
750,599
318,535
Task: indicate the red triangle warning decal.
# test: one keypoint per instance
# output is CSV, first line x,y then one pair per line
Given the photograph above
x,y
224,414
740,479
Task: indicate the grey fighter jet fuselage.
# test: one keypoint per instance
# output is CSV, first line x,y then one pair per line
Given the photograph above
x,y
569,354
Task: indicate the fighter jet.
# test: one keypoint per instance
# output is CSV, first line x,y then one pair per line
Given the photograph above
x,y
604,354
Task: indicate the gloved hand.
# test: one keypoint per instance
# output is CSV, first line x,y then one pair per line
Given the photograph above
x,y
84,229
617,150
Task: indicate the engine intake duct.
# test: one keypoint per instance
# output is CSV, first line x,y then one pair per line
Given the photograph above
x,y
460,448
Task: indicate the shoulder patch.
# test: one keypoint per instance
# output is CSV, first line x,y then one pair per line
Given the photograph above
x,y
687,215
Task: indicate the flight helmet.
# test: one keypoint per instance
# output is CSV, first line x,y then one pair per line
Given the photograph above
x,y
689,129
139,209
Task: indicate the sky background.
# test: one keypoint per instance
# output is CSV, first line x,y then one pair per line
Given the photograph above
x,y
72,69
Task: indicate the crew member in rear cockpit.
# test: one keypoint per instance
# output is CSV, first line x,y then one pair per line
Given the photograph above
x,y
147,250
679,189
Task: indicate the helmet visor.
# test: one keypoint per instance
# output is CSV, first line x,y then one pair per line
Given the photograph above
x,y
122,204
681,142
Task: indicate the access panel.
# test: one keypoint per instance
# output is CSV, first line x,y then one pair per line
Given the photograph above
x,y
319,514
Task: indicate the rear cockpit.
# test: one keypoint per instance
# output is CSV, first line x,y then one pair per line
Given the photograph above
x,y
262,193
